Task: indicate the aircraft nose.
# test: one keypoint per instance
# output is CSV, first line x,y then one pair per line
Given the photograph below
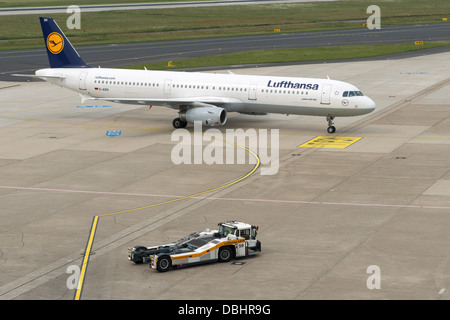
x,y
369,104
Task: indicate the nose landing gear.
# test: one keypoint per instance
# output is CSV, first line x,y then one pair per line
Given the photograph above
x,y
331,128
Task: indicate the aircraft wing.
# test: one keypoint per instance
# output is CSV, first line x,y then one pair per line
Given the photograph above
x,y
176,103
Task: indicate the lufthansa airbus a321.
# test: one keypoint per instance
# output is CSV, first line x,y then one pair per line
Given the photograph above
x,y
198,96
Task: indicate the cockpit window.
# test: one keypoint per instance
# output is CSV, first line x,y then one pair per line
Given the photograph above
x,y
352,93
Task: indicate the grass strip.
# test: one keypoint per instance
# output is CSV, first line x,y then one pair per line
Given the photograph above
x,y
290,55
23,31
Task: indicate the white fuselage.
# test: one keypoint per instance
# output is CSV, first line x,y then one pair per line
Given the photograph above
x,y
239,93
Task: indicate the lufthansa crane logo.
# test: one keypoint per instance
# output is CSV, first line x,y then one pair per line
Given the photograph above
x,y
55,42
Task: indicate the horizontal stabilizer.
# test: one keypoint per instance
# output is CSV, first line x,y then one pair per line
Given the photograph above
x,y
36,76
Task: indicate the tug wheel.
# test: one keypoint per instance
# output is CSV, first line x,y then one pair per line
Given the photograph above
x,y
225,254
164,264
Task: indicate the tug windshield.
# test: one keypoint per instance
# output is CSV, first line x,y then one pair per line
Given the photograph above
x,y
225,230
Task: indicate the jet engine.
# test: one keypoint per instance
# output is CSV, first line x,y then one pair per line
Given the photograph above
x,y
210,116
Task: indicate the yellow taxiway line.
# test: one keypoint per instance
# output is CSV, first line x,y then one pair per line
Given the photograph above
x,y
96,218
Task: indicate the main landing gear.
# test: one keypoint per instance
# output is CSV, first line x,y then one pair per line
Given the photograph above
x,y
331,128
178,123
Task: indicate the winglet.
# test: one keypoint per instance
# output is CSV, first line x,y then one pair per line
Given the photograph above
x,y
61,53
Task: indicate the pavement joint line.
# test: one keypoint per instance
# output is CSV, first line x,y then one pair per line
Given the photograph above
x,y
392,108
393,205
30,281
395,106
96,218
288,158
361,123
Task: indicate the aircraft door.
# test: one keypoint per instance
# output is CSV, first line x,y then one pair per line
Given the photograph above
x,y
326,90
82,80
252,92
167,87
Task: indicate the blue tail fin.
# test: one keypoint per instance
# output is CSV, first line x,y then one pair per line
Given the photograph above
x,y
61,53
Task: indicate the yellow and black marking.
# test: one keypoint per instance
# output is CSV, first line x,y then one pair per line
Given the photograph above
x,y
330,142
